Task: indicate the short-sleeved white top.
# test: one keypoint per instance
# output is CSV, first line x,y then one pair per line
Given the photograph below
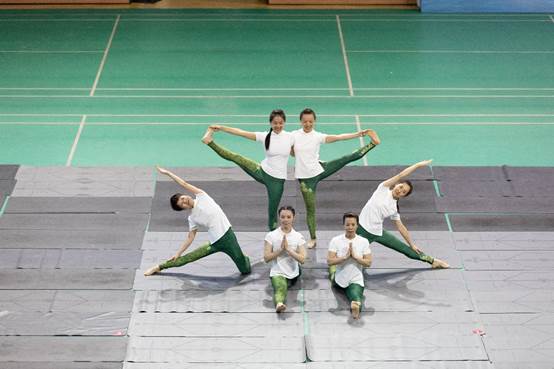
x,y
285,264
349,271
381,205
277,157
207,213
306,153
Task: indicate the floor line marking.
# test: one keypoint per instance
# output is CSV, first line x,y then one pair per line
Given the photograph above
x,y
280,96
283,89
551,18
106,51
457,51
265,115
345,57
75,142
362,143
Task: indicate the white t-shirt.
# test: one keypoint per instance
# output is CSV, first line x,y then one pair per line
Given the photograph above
x,y
207,213
277,157
306,153
285,264
349,271
380,206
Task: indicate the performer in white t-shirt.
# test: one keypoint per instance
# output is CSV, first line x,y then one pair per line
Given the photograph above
x,y
284,249
272,171
348,255
207,213
384,204
309,170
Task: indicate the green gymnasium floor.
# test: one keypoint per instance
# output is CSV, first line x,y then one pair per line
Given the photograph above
x,y
136,88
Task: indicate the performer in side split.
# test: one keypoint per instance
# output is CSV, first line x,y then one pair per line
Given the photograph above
x,y
272,171
285,249
348,254
309,170
205,212
384,204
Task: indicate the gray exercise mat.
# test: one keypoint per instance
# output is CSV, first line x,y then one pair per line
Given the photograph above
x,y
499,241
62,222
473,173
394,347
130,365
67,279
508,260
63,349
216,349
95,301
75,239
473,188
534,205
13,323
502,222
532,187
8,171
61,365
536,174
462,364
64,258
82,174
6,186
222,174
217,325
376,172
40,205
226,301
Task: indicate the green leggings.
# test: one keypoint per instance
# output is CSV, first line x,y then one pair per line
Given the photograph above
x,y
280,287
227,243
308,185
354,292
388,240
274,186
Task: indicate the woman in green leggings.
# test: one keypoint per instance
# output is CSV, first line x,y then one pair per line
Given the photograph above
x,y
272,171
384,204
204,212
348,255
284,249
310,171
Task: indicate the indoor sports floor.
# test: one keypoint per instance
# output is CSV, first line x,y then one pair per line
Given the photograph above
x,y
91,100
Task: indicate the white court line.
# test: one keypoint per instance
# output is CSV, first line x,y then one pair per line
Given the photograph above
x,y
345,57
106,51
453,51
284,89
50,52
551,18
362,143
450,20
74,146
266,115
282,96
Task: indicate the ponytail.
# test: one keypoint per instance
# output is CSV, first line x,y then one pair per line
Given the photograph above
x,y
268,139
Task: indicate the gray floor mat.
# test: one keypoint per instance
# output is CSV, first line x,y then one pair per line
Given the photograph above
x,y
8,171
75,239
217,325
61,365
508,260
64,349
498,223
403,365
70,279
64,258
96,301
40,205
213,365
498,241
496,205
6,186
64,324
393,347
61,222
473,173
229,301
472,188
537,174
376,172
216,349
82,174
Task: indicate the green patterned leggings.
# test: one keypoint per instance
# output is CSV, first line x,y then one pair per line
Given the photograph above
x,y
280,288
354,292
388,240
227,244
308,185
274,186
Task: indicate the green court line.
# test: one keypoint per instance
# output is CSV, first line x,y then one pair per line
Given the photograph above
x,y
447,218
306,322
4,205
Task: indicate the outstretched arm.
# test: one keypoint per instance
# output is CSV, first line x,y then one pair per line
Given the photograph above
x,y
348,136
234,131
406,235
187,186
406,172
185,245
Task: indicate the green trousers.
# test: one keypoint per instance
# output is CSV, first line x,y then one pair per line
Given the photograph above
x,y
281,285
354,292
227,244
274,186
388,240
308,186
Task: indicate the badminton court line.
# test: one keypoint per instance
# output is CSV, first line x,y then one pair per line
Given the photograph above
x,y
76,141
106,51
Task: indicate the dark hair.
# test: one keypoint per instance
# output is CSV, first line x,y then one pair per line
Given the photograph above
x,y
409,183
350,215
290,208
174,201
307,111
274,113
